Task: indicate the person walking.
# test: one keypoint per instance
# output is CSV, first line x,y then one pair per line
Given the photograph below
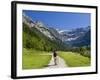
x,y
55,57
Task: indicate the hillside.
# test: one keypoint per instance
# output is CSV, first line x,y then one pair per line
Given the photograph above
x,y
33,38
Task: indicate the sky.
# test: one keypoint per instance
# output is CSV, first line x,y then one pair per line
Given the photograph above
x,y
60,20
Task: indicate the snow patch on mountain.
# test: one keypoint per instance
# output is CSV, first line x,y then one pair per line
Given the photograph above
x,y
61,31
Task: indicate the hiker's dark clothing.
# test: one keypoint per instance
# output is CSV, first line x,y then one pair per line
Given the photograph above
x,y
54,54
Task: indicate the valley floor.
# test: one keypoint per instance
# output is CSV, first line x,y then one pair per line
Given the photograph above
x,y
33,59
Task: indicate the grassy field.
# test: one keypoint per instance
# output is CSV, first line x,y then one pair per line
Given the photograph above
x,y
33,59
74,59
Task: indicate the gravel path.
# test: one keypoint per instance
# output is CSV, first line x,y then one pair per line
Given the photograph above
x,y
60,63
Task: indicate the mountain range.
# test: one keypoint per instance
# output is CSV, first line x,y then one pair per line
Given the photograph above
x,y
42,37
77,37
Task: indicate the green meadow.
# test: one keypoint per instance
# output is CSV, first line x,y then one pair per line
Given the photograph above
x,y
33,59
74,59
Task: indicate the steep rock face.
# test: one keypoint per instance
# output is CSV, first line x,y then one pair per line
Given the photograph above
x,y
42,28
27,20
39,25
55,33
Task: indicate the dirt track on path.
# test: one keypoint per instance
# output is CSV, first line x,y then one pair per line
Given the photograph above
x,y
60,63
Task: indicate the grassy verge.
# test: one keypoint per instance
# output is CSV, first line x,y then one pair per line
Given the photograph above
x,y
74,59
33,59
